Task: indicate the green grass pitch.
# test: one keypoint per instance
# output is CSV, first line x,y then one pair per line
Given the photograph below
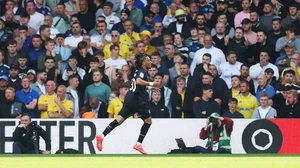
x,y
150,161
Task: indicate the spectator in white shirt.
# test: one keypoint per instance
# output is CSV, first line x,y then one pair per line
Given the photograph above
x,y
102,37
259,68
110,17
115,61
36,19
171,17
73,69
230,68
264,110
217,58
72,42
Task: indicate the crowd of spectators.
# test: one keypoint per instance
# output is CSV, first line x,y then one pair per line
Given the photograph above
x,y
76,58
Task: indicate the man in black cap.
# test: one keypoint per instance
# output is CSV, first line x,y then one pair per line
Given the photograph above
x,y
249,35
149,17
14,80
223,9
4,36
125,14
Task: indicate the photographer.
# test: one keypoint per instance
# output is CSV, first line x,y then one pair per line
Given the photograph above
x,y
26,137
217,131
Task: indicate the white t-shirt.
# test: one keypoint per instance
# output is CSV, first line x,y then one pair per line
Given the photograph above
x,y
76,105
36,20
263,112
96,38
72,41
179,28
117,64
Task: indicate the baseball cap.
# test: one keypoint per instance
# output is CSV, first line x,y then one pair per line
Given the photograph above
x,y
179,12
145,32
125,10
291,44
148,13
4,77
276,18
14,66
215,114
31,71
246,21
223,1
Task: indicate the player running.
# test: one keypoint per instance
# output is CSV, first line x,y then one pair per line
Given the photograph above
x,y
135,102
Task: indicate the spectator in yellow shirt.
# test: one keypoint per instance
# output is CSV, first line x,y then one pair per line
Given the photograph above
x,y
146,38
47,98
116,104
129,38
247,103
60,107
115,38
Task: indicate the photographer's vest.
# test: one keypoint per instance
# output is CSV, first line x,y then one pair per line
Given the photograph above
x,y
224,140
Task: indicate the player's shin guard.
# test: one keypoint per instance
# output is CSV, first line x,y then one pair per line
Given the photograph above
x,y
110,127
143,132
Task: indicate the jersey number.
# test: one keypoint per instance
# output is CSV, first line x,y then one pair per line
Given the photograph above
x,y
133,85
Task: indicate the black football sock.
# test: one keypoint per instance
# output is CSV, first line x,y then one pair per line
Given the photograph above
x,y
143,132
110,127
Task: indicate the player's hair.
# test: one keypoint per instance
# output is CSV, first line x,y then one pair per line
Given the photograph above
x,y
140,59
233,100
289,72
26,114
264,94
269,70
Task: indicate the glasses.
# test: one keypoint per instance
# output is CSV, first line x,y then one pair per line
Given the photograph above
x,y
114,35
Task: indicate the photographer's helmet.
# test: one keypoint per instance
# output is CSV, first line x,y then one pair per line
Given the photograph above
x,y
215,114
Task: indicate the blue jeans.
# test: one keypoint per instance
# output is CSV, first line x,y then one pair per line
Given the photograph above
x,y
19,148
200,149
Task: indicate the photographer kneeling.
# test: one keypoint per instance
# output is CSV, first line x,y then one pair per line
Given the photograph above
x,y
217,130
26,137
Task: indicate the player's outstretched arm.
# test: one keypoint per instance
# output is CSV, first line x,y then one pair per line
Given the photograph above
x,y
141,82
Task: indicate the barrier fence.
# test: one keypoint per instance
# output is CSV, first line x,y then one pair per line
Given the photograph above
x,y
248,136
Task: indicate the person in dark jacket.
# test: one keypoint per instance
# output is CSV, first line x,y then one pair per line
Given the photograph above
x,y
181,100
26,137
206,105
237,44
10,107
14,80
180,20
158,109
232,113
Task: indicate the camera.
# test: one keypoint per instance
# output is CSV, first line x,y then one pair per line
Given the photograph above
x,y
213,120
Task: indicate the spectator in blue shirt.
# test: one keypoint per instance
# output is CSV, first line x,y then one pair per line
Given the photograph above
x,y
44,10
35,51
149,18
23,41
232,113
29,97
264,87
4,69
